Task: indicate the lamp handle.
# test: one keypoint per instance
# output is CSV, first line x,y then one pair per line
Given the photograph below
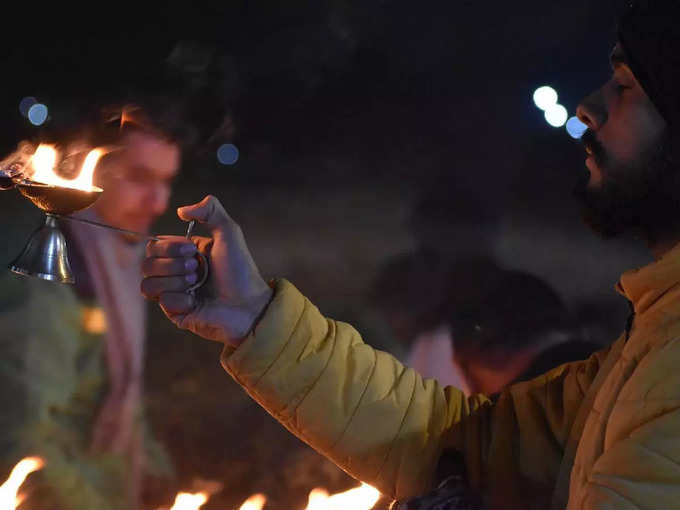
x,y
203,265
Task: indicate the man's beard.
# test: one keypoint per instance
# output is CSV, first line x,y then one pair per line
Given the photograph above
x,y
642,195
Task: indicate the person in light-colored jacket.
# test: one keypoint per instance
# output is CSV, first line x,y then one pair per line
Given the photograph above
x,y
603,433
72,357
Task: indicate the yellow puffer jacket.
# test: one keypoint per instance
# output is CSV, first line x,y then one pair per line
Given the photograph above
x,y
598,434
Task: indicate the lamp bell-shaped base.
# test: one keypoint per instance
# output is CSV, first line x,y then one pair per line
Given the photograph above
x,y
45,255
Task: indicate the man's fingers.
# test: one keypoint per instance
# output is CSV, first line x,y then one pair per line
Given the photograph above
x,y
209,212
169,267
177,303
153,287
204,244
171,246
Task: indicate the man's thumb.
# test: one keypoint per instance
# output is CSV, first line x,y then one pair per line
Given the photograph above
x,y
208,212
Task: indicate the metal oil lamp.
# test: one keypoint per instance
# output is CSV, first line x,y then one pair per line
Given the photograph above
x,y
45,255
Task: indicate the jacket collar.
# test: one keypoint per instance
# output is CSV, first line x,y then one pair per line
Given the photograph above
x,y
645,286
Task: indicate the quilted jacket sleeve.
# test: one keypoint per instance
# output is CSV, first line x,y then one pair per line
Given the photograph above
x,y
383,423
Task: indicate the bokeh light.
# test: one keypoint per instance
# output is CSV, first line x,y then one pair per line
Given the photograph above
x,y
545,97
576,128
227,154
556,115
37,114
25,105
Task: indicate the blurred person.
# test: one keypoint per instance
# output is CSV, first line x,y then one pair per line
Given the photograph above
x,y
514,328
409,292
454,225
415,292
595,434
73,356
432,356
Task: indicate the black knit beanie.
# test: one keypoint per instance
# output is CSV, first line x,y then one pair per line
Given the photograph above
x,y
649,32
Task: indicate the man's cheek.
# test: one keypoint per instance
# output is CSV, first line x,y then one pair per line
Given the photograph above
x,y
133,199
622,145
639,128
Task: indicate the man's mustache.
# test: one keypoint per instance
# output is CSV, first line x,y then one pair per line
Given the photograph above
x,y
593,146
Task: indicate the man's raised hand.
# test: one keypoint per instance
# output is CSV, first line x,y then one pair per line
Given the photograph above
x,y
226,308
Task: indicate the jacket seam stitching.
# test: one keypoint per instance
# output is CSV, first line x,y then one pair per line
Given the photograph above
x,y
401,425
283,348
323,370
659,298
361,398
659,454
631,401
609,489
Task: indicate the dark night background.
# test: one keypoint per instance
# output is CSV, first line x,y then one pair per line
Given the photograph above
x,y
345,114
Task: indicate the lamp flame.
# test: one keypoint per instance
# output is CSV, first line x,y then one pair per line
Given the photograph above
x,y
254,502
44,161
9,497
363,497
190,501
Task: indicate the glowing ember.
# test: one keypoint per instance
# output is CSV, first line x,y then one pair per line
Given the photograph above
x,y
9,497
254,502
44,161
189,501
363,497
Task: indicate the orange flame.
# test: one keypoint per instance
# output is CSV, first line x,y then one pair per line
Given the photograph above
x,y
9,497
254,502
190,501
363,497
44,161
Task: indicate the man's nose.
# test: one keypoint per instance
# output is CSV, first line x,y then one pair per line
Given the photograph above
x,y
592,111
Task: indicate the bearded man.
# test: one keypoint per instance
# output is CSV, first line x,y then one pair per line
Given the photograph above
x,y
596,434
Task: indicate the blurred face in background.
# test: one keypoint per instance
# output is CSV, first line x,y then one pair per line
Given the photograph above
x,y
137,181
491,372
632,180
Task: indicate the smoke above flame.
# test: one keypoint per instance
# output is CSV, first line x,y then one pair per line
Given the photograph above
x,y
9,491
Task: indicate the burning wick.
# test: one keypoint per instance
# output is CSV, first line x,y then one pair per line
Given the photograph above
x,y
9,499
44,161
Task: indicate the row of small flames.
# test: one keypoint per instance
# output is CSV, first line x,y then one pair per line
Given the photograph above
x,y
363,497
